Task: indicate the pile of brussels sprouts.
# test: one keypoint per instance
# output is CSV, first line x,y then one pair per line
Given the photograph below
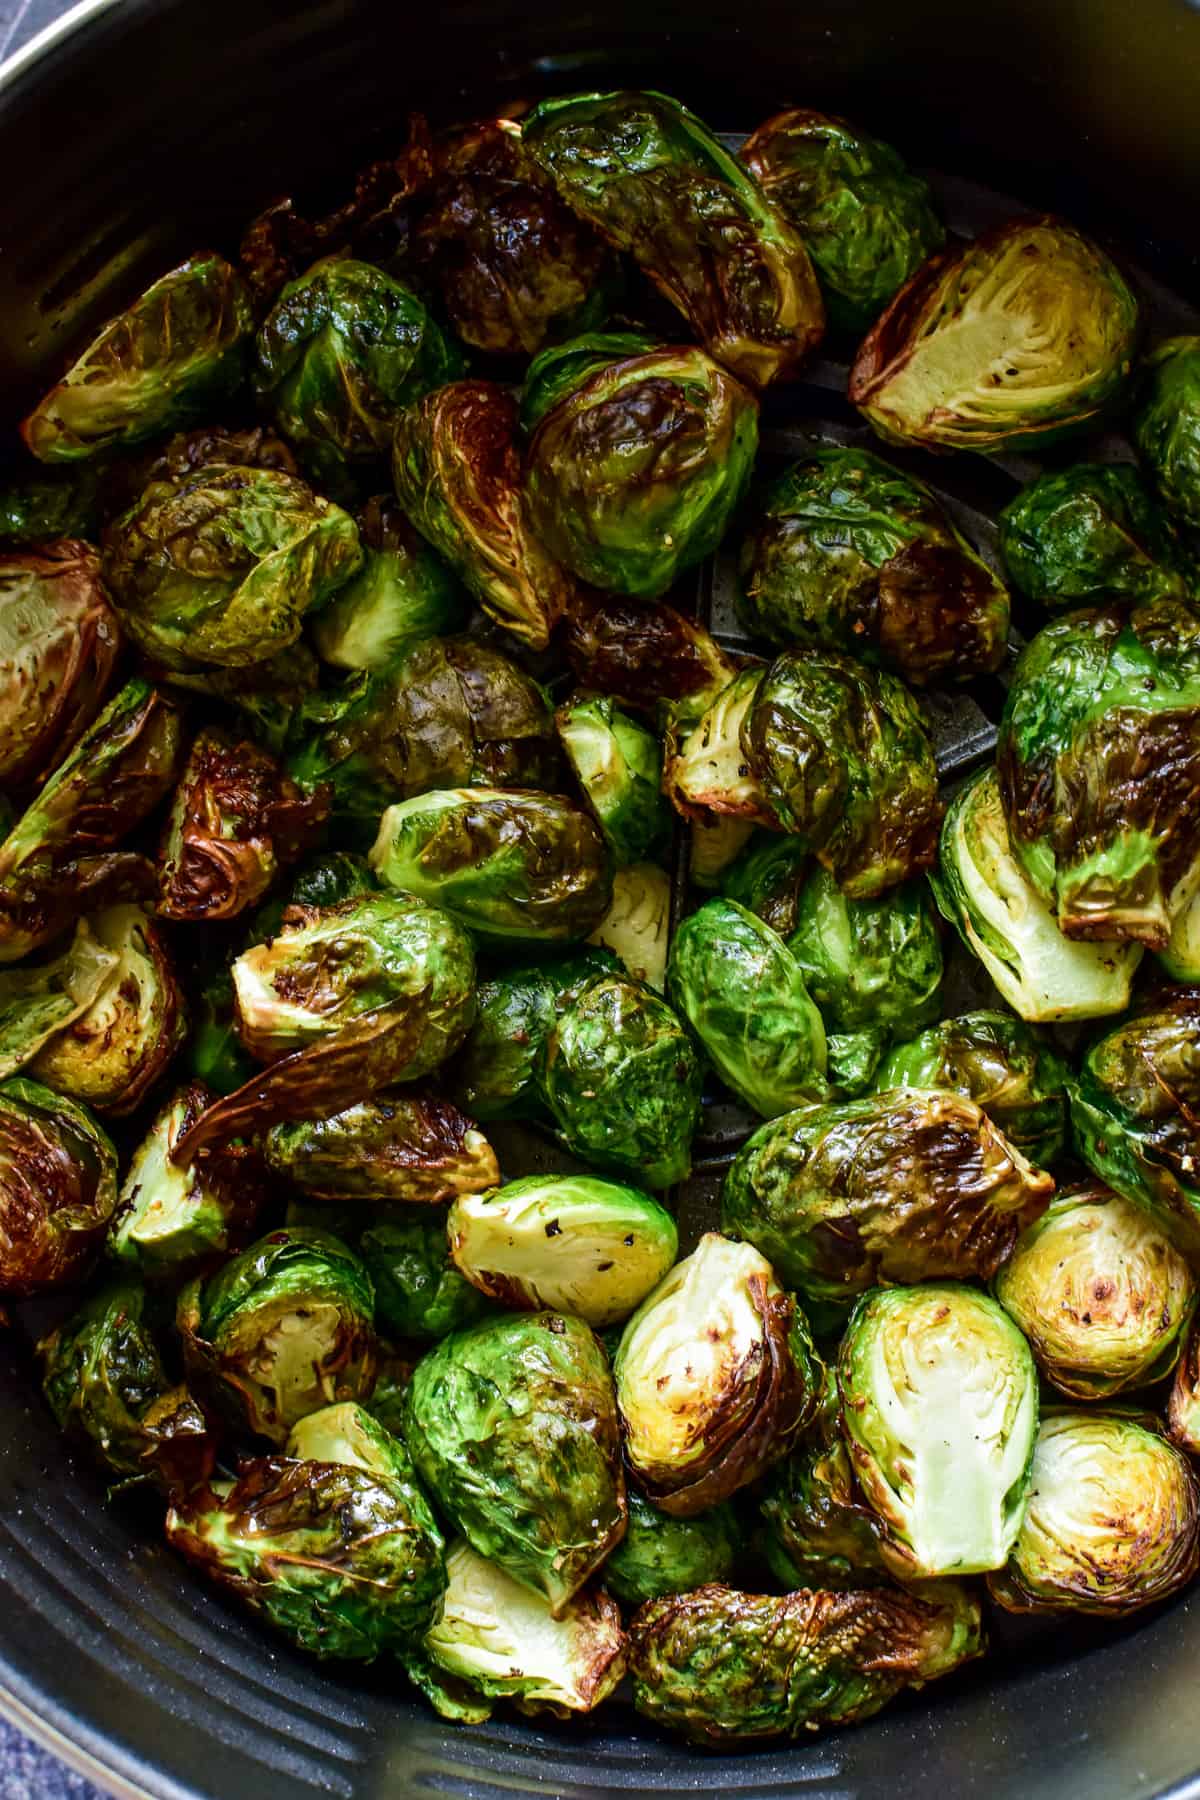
x,y
370,817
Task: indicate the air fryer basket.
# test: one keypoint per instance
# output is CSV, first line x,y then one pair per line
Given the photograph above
x,y
150,127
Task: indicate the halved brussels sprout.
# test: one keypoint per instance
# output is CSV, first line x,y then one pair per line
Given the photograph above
x,y
1090,534
940,1415
280,1331
1113,1517
594,1248
618,765
513,1428
39,1001
409,1149
1100,1292
1014,340
403,594
818,1532
743,993
58,1188
915,1185
846,553
657,184
1166,425
641,654
706,768
715,841
177,353
661,1555
637,925
981,889
58,644
419,1294
1183,1404
495,1074
767,878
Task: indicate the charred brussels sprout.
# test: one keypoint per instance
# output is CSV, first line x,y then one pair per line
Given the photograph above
x,y
396,1149
402,594
495,1075
176,354
39,1001
1183,1404
817,1531
642,654
1014,340
622,1082
419,1294
715,1374
656,183
743,993
767,878
867,221
637,925
592,1247
849,554
1112,1520
58,644
1166,425
618,765
707,767
1100,1292
1088,535
513,1428
660,1555
58,1188
281,1331
564,368
915,1185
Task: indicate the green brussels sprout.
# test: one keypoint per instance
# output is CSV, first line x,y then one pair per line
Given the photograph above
x,y
661,1555
706,766
221,565
560,369
940,1415
1014,340
636,469
176,354
265,695
419,1294
1183,1403
343,349
817,1531
59,639
457,473
618,765
622,1082
1114,1513
637,925
995,1060
1180,956
1100,1292
916,1185
980,887
403,1148
513,867
1087,535
727,1668
643,655
280,1331
715,1375
495,1075
867,221
657,184
594,1248
39,505
846,553
39,1001
1099,765
402,594
58,1188
390,1393
767,878
513,1427
873,967
104,1381
1166,425
743,992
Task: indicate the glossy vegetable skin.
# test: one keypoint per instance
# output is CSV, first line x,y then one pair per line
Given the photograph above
x,y
396,1148
58,1188
59,639
661,1555
402,594
1166,425
496,1073
1088,535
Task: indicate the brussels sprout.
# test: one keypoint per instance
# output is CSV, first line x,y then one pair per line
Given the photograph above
x,y
867,221
495,1074
981,889
220,566
38,1002
995,1060
513,1427
846,553
514,867
817,1530
58,643
657,184
1112,1520
1087,535
622,1082
1012,341
724,1667
1180,956
660,1555
618,765
767,878
635,470
873,967
915,1185
715,1375
715,841
592,1247
403,594
707,767
1183,1404
280,1331
265,695
177,353
743,993
642,654
563,368
940,1413
637,925
104,1381
458,476
419,1294
1102,1295
1166,425
389,1395
58,1188
250,446
38,505
395,1148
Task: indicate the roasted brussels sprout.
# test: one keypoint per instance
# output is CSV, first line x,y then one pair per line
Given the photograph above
x,y
249,446
58,643
656,183
767,878
1166,425
280,1331
642,654
174,355
1112,1522
37,1001
395,1148
743,993
707,767
915,1185
817,1531
715,841
402,594
58,1188
458,475
867,221
1087,535
1011,341
495,1075
1100,1292
846,553
1180,956
940,1413
1183,1404
560,370
513,1428
618,765
38,505
594,1248
981,889
715,1374
661,1555
419,1294
637,925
